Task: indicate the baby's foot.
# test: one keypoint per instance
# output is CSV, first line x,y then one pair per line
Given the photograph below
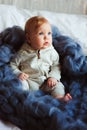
x,y
67,97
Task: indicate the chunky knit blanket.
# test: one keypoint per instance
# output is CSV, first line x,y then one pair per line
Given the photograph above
x,y
37,110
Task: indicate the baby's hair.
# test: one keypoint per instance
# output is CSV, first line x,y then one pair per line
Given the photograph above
x,y
34,23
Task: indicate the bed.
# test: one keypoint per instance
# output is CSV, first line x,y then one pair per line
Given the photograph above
x,y
36,110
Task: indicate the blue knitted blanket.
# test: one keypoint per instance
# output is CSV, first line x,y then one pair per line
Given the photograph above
x,y
36,110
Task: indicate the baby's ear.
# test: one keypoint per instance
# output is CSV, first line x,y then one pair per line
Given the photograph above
x,y
27,37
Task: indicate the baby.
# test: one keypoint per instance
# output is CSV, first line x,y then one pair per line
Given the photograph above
x,y
37,62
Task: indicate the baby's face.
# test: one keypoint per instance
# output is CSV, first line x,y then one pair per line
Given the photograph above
x,y
42,38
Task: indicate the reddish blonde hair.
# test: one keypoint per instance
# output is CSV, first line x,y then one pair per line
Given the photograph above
x,y
34,23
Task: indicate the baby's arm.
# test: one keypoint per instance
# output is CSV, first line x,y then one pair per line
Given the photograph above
x,y
55,71
15,63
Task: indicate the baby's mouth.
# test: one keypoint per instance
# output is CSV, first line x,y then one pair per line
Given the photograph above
x,y
46,43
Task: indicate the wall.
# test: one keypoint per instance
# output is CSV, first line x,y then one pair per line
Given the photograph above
x,y
64,6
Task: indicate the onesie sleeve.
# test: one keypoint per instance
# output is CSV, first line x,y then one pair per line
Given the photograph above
x,y
55,70
15,63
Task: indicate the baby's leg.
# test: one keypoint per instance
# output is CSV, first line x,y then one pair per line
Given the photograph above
x,y
58,91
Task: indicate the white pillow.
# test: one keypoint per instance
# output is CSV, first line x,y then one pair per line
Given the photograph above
x,y
9,16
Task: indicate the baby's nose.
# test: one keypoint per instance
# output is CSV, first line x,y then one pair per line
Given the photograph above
x,y
45,37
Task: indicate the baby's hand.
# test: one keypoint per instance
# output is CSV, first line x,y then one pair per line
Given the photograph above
x,y
51,82
23,76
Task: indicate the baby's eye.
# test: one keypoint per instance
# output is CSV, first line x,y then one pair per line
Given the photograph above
x,y
41,33
49,33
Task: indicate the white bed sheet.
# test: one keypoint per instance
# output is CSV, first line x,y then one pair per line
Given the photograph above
x,y
74,26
